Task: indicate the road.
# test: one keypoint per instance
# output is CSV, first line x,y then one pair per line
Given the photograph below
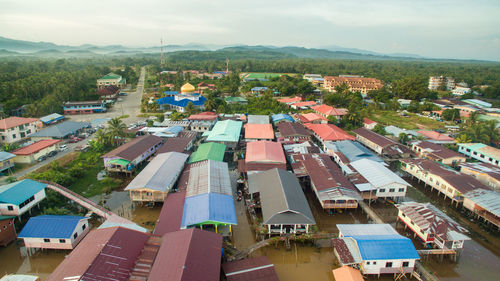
x,y
129,105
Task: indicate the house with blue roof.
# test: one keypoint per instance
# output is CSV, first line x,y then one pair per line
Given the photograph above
x,y
179,101
258,90
345,152
54,232
375,249
51,119
278,118
209,209
18,197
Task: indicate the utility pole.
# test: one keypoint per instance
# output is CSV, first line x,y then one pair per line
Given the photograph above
x,y
227,65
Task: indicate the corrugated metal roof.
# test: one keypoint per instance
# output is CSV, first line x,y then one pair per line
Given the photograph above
x,y
49,226
186,255
209,177
376,173
208,151
281,116
347,273
6,155
353,150
227,130
487,199
208,208
259,131
329,132
265,152
293,129
366,229
109,224
19,277
161,173
255,269
51,118
282,198
61,130
385,247
19,191
35,147
258,119
134,148
170,218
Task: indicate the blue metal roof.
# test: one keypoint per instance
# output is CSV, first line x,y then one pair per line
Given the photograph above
x,y
353,150
181,103
50,226
171,93
281,116
61,130
207,208
385,247
6,155
258,89
19,191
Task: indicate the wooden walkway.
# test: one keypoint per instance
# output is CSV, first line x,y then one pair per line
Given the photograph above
x,y
376,218
437,252
80,200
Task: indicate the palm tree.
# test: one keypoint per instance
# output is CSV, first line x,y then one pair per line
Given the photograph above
x,y
116,130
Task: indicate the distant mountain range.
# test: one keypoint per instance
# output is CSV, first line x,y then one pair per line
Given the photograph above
x,y
11,47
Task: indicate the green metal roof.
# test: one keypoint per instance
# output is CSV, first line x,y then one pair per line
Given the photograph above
x,y
2,218
121,162
111,76
19,191
208,151
227,130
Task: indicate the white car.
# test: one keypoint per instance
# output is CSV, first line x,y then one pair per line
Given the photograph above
x,y
63,147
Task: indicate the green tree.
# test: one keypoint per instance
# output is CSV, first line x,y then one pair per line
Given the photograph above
x,y
411,87
451,114
116,130
190,109
379,129
403,138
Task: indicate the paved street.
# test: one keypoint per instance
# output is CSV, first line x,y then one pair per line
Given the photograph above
x,y
129,105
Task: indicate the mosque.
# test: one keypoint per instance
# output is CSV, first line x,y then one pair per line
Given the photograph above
x,y
179,101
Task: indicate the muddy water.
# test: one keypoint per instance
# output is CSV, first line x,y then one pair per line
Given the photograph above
x,y
480,259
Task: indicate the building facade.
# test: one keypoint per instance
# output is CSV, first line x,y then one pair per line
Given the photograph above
x,y
84,107
15,129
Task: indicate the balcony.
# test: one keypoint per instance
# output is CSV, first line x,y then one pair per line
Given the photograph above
x,y
340,205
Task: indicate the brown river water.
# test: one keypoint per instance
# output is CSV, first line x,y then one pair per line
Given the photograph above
x,y
479,261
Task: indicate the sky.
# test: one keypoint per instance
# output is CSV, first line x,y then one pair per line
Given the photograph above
x,y
431,28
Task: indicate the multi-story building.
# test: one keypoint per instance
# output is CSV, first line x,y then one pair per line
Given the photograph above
x,y
111,79
481,152
436,81
15,129
84,107
355,83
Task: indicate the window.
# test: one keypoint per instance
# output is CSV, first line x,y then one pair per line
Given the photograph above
x,y
10,208
388,264
368,263
62,240
4,227
75,235
401,189
381,190
45,240
391,190
13,136
406,263
374,263
84,226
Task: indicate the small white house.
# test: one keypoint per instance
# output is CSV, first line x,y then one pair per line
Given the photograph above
x,y
54,232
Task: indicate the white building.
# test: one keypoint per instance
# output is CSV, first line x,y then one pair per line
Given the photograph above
x,y
19,197
375,249
14,129
110,79
460,91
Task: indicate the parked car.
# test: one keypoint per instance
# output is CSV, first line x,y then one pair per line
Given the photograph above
x,y
123,94
63,147
74,140
52,153
41,158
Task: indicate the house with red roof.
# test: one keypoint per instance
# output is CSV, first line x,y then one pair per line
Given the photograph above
x,y
290,101
311,118
326,110
436,137
203,116
303,105
31,153
15,129
328,132
262,156
256,132
369,124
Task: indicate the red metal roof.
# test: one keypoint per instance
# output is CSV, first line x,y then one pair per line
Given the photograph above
x,y
104,254
310,117
207,115
35,147
288,129
15,121
368,121
325,174
290,100
251,269
304,103
329,132
433,135
259,131
329,110
171,213
342,250
188,254
265,152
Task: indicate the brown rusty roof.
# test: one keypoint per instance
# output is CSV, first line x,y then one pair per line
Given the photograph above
x,y
177,144
342,251
251,269
288,129
374,137
171,213
244,167
437,151
325,174
188,254
134,148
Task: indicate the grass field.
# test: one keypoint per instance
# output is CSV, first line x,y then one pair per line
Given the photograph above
x,y
412,121
261,75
